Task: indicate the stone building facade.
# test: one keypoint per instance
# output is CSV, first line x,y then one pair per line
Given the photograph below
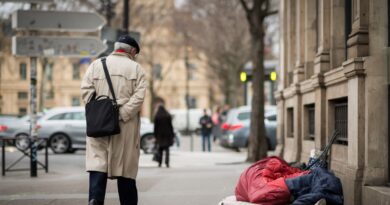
x,y
58,84
334,75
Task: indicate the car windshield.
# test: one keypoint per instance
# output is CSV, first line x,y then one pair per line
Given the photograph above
x,y
244,116
231,116
26,118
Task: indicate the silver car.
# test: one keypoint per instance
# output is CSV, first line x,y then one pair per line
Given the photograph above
x,y
17,128
66,130
236,129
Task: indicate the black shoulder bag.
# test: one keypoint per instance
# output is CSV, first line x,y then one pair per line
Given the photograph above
x,y
102,113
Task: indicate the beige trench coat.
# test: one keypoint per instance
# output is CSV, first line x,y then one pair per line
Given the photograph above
x,y
116,155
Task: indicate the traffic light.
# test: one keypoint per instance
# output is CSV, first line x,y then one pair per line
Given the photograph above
x,y
273,76
243,77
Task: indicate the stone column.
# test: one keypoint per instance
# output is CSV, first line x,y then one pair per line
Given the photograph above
x,y
354,71
376,67
320,112
321,63
310,37
280,124
337,30
358,38
283,69
291,38
299,73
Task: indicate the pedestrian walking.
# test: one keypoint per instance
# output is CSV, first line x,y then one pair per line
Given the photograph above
x,y
163,131
116,156
217,122
206,127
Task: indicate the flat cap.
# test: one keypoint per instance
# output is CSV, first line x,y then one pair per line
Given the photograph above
x,y
129,41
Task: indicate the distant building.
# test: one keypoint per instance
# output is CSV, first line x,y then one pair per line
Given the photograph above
x,y
334,75
59,82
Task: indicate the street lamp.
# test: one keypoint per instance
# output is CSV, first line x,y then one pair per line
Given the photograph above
x,y
187,95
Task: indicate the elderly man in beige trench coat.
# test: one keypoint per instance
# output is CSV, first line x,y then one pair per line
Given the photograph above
x,y
117,156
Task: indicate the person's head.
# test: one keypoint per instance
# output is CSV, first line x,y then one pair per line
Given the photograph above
x,y
159,101
218,109
205,111
128,44
161,112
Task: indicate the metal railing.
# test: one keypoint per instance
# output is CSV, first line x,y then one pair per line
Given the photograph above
x,y
341,121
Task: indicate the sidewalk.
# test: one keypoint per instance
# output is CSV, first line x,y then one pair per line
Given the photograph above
x,y
195,178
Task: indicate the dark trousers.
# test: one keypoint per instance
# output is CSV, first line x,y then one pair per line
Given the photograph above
x,y
160,154
127,188
206,139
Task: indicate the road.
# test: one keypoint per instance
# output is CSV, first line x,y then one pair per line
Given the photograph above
x,y
195,178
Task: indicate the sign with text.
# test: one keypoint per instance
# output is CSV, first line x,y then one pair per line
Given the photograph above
x,y
38,46
57,20
29,1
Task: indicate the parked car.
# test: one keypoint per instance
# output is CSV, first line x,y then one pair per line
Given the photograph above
x,y
236,129
66,130
18,128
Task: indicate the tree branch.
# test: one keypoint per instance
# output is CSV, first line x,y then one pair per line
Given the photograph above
x,y
245,6
270,13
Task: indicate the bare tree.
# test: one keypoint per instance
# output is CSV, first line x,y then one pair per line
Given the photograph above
x,y
256,12
215,28
153,19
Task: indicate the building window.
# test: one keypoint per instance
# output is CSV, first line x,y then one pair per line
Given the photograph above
x,y
341,120
76,71
76,101
310,121
49,72
157,68
22,95
191,71
192,102
23,71
50,95
22,111
290,122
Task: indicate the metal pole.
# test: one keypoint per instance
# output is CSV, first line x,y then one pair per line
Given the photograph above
x,y
126,13
245,93
3,158
33,112
188,99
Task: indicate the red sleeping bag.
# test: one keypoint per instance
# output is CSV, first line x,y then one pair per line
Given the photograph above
x,y
263,182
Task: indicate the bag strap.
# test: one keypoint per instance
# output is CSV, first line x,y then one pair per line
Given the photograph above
x,y
108,79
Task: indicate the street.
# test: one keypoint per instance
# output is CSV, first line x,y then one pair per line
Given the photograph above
x,y
194,178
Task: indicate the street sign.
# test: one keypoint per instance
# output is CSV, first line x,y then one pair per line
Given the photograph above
x,y
57,20
39,46
29,1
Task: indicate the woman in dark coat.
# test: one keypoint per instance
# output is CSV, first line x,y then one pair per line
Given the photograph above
x,y
163,131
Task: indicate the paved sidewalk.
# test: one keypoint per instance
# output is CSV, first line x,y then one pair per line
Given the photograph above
x,y
195,178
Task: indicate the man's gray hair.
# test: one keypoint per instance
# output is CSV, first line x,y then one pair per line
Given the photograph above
x,y
122,46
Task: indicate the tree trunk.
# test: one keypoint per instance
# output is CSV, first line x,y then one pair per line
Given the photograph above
x,y
257,147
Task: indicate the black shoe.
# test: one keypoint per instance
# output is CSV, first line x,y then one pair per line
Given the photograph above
x,y
159,165
167,165
93,202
